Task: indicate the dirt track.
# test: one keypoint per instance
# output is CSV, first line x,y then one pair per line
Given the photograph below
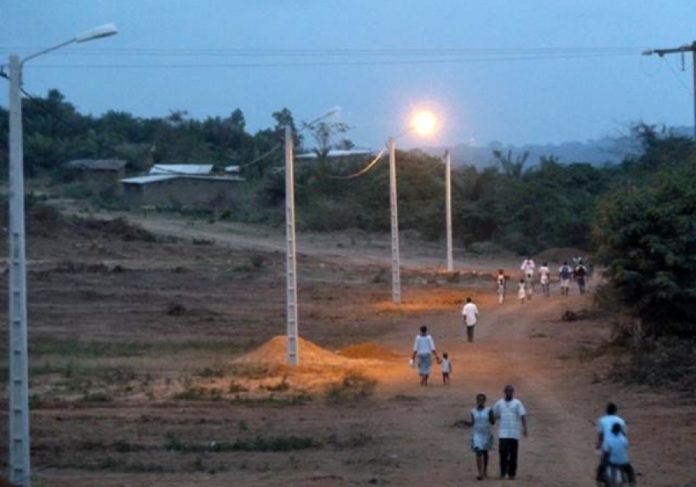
x,y
404,435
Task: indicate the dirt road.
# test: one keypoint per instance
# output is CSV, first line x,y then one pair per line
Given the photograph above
x,y
403,435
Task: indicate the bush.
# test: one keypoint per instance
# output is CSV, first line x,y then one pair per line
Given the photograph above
x,y
353,387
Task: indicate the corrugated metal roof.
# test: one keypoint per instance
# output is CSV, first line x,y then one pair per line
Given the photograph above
x,y
154,178
97,164
181,169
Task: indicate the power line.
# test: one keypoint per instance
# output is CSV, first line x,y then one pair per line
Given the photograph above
x,y
327,63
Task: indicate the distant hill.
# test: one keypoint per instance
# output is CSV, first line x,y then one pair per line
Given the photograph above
x,y
607,150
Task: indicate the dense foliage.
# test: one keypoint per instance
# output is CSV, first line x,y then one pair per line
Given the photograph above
x,y
646,236
521,205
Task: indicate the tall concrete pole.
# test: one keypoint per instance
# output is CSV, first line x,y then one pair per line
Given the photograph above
x,y
291,264
19,452
448,209
396,263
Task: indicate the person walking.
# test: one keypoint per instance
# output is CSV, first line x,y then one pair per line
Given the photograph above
x,y
527,269
604,426
564,275
617,451
522,291
513,417
470,313
446,369
482,420
580,274
423,348
545,279
501,280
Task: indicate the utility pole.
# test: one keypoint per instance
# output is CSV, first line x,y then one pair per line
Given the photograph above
x,y
686,48
448,209
394,213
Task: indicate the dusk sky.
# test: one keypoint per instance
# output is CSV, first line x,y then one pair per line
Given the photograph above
x,y
533,71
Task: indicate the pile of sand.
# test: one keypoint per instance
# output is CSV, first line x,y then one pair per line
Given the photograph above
x,y
274,353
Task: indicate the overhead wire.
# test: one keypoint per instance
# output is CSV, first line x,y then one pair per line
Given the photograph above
x,y
364,170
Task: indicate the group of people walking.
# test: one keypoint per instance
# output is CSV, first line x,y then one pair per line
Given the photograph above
x,y
578,272
510,414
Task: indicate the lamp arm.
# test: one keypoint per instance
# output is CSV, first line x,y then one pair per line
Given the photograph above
x,y
40,53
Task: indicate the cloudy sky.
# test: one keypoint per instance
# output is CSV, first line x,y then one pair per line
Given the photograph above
x,y
516,71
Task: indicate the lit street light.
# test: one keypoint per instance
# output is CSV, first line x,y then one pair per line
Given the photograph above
x,y
290,255
19,452
424,124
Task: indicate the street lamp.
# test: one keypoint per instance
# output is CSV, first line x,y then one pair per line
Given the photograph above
x,y
19,453
290,255
448,209
423,123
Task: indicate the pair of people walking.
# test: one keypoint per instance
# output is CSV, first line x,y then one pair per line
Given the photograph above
x,y
512,423
423,352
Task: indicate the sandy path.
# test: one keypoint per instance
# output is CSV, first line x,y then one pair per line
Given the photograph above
x,y
559,448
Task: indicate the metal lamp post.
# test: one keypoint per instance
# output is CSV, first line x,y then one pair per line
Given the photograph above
x,y
19,452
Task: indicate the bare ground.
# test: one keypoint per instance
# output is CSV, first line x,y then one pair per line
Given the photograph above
x,y
144,371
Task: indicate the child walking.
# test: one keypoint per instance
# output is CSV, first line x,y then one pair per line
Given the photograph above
x,y
482,420
522,291
500,281
446,368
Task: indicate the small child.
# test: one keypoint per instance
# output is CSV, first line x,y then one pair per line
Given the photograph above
x,y
446,368
522,291
617,447
500,280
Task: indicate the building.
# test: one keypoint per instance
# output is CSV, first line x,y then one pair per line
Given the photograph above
x,y
180,190
106,170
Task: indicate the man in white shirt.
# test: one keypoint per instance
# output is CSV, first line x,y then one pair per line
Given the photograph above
x,y
470,313
512,414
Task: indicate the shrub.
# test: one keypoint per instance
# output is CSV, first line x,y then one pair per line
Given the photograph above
x,y
353,387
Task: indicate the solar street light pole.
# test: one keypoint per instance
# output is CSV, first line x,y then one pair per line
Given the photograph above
x,y
19,454
393,204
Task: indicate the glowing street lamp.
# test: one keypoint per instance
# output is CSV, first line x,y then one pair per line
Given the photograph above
x,y
18,385
423,123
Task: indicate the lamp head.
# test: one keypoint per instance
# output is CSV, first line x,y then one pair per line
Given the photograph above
x,y
105,30
424,122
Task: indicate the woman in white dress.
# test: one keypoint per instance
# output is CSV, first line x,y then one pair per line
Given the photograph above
x,y
482,421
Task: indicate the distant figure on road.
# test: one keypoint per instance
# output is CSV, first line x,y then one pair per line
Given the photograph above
x,y
446,369
470,313
522,291
527,269
617,451
423,347
604,426
545,279
501,281
564,274
512,415
482,420
580,274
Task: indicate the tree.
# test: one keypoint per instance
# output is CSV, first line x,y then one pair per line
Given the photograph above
x,y
513,168
646,238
